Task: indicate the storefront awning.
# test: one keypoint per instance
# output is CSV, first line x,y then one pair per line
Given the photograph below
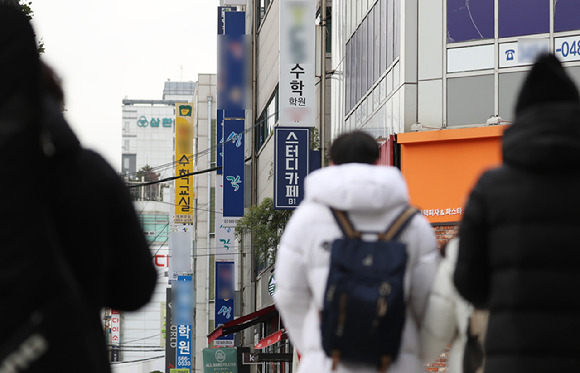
x,y
441,167
242,323
270,340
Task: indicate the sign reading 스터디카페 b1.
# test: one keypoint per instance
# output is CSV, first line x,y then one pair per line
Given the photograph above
x,y
291,165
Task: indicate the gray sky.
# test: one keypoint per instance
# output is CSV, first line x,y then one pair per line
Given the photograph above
x,y
105,50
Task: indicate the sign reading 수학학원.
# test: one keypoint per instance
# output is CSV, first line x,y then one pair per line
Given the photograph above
x,y
220,360
297,63
291,165
184,163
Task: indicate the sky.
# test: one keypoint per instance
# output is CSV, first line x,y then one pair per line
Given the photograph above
x,y
108,50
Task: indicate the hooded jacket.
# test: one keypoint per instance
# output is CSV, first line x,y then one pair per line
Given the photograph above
x,y
518,250
71,240
373,197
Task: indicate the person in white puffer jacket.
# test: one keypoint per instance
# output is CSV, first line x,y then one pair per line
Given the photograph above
x,y
373,196
447,314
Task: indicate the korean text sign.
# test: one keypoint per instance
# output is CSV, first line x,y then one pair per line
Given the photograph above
x,y
291,164
297,63
233,167
184,163
224,299
183,317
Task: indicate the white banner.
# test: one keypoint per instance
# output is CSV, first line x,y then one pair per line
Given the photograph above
x,y
297,63
226,246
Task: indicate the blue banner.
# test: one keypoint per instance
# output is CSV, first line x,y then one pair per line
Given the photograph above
x,y
233,167
291,165
224,298
183,317
231,83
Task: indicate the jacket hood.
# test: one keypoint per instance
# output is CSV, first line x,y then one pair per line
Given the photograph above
x,y
545,138
356,187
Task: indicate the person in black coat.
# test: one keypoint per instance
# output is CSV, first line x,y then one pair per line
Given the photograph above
x,y
71,240
518,253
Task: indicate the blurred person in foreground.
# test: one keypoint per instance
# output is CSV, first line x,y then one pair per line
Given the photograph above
x,y
71,240
518,248
373,196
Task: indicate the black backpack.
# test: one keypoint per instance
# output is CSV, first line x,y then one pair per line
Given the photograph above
x,y
364,305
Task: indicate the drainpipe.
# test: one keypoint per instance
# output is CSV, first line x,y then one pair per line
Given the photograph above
x,y
322,81
209,113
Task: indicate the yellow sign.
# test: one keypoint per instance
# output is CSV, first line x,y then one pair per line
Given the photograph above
x,y
184,163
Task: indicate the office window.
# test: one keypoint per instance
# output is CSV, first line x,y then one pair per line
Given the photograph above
x,y
267,121
347,77
524,17
377,42
370,49
470,20
390,31
364,56
566,17
383,22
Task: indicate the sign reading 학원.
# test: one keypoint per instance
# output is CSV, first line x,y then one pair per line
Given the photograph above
x,y
291,164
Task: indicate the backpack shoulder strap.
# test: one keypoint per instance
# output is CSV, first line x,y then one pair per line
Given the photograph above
x,y
345,224
397,227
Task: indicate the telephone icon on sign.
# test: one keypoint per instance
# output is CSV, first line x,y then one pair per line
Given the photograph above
x,y
510,54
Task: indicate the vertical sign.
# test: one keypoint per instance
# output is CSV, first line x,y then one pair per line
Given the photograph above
x,y
184,163
224,299
115,334
170,333
292,148
226,249
297,62
231,80
233,167
183,317
181,250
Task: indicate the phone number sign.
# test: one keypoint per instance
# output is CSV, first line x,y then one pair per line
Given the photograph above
x,y
568,48
290,165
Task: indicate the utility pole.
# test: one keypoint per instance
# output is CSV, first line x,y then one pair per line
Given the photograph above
x,y
322,81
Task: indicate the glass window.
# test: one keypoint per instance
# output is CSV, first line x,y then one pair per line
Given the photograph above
x,y
347,77
469,20
358,66
370,49
390,25
396,28
523,17
364,56
383,56
566,17
466,105
377,42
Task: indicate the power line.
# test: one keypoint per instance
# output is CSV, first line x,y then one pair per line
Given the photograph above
x,y
174,177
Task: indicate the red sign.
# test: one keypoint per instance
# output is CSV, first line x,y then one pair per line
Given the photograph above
x,y
270,340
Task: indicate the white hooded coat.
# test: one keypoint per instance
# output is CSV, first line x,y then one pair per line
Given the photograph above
x,y
373,196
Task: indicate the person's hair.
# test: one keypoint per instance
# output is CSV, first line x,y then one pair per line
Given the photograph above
x,y
354,147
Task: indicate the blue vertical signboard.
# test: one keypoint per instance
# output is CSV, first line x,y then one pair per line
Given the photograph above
x,y
224,299
291,165
233,167
183,318
231,86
